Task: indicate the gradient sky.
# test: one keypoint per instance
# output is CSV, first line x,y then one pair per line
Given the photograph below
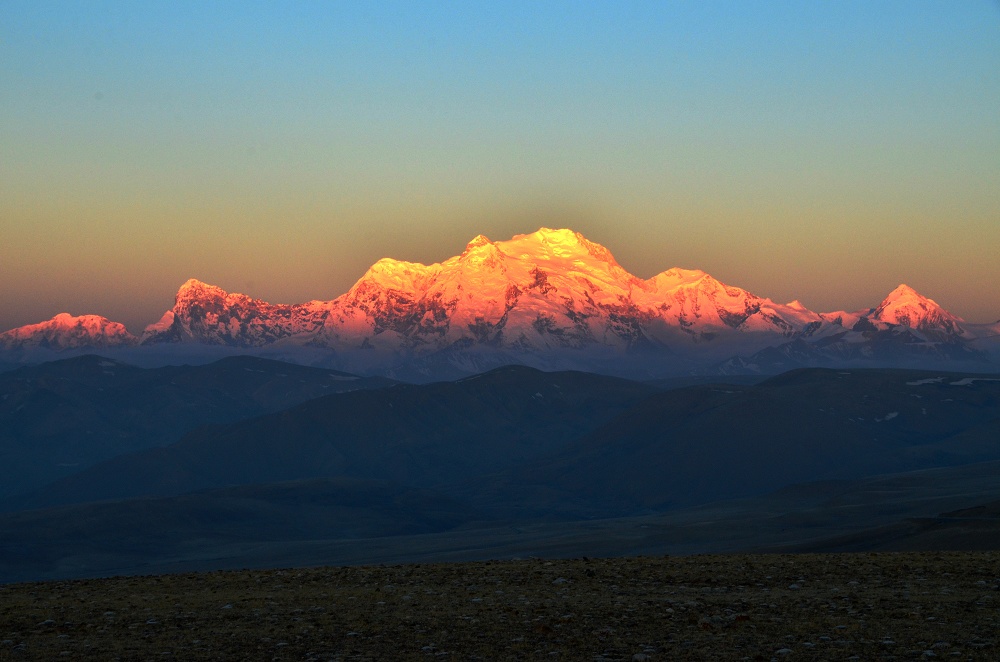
x,y
825,151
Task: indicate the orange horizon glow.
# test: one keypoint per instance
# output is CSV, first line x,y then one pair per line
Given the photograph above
x,y
820,152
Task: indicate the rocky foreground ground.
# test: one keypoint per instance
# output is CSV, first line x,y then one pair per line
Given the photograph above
x,y
736,607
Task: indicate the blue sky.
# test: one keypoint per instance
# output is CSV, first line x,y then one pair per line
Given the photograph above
x,y
813,150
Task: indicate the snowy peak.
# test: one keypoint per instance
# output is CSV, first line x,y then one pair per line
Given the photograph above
x,y
195,290
478,241
396,275
65,331
676,279
552,289
676,276
547,244
907,307
481,253
904,295
702,305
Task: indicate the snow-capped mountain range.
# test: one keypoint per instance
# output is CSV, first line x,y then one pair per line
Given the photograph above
x,y
550,299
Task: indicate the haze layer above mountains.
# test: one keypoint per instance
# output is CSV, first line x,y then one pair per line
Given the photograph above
x,y
550,299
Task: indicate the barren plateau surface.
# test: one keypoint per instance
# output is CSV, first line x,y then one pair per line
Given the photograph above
x,y
884,606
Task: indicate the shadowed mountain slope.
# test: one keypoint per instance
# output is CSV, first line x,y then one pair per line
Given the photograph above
x,y
89,538
520,443
59,418
346,521
699,444
416,435
516,462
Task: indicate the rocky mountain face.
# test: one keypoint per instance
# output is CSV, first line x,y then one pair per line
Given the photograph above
x,y
208,314
551,299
